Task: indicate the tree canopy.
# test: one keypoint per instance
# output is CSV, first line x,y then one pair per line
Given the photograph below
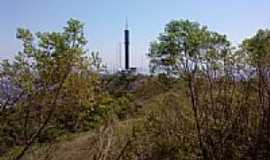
x,y
186,47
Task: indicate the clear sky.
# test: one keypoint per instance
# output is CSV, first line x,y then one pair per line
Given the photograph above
x,y
105,21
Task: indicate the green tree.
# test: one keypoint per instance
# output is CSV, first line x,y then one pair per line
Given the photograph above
x,y
186,50
257,49
185,47
61,85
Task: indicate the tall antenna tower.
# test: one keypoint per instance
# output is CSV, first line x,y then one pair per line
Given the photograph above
x,y
126,32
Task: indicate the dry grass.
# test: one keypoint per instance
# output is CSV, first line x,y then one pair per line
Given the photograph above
x,y
108,142
105,143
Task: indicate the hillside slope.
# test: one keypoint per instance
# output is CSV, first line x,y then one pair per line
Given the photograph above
x,y
127,139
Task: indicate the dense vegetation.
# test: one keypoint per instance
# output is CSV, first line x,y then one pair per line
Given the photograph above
x,y
204,99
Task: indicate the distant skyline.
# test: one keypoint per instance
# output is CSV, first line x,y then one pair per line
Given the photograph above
x,y
105,21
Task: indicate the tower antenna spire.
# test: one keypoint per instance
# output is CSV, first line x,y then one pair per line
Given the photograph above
x,y
126,38
126,25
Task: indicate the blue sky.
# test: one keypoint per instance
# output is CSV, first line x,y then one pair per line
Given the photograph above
x,y
105,21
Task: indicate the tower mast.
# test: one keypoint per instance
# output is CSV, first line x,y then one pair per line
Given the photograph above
x,y
126,32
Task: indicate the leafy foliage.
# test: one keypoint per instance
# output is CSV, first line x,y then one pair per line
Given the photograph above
x,y
186,47
61,87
